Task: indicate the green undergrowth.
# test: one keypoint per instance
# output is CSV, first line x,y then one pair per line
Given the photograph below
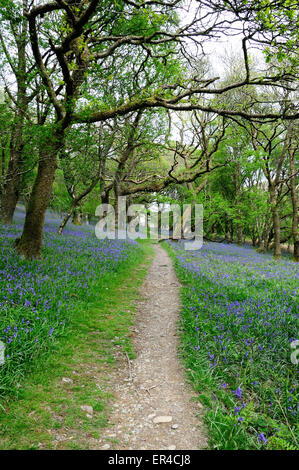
x,y
45,410
239,318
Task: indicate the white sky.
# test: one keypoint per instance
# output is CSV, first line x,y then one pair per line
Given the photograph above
x,y
217,48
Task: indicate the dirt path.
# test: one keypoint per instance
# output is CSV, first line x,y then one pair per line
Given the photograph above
x,y
153,385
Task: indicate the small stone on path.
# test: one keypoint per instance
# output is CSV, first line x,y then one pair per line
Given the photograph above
x,y
88,409
162,419
65,380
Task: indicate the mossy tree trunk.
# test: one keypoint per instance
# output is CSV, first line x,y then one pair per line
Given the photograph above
x,y
77,217
276,224
31,241
294,197
10,195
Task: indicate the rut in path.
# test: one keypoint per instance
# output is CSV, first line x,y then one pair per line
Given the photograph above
x,y
153,384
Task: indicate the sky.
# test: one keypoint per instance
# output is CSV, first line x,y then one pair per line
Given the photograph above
x,y
217,48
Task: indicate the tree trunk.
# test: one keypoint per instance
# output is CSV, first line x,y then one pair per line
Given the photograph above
x,y
104,200
231,233
105,197
129,202
159,221
214,231
10,195
115,205
237,173
276,224
226,230
239,234
66,219
117,208
295,218
262,245
30,244
253,238
77,217
263,241
2,163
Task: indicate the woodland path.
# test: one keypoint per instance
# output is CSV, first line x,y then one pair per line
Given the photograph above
x,y
153,385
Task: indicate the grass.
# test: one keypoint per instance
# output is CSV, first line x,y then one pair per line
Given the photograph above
x,y
240,314
39,409
37,298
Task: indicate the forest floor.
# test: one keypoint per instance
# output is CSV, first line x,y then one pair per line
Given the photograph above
x,y
64,401
116,376
153,406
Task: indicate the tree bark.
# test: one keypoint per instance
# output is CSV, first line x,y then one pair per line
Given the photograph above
x,y
276,224
237,176
10,195
77,217
31,241
239,234
253,237
295,220
214,231
2,163
226,230
262,245
66,219
231,233
117,194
